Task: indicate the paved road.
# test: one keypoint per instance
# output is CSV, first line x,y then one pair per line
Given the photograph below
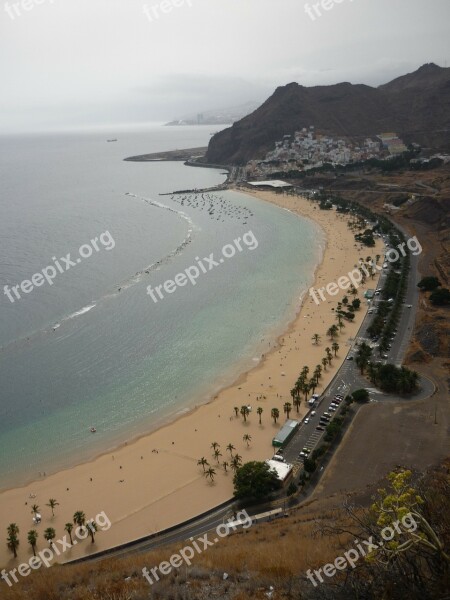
x,y
349,378
346,379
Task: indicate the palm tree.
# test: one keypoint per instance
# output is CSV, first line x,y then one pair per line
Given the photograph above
x,y
335,347
324,362
236,410
13,540
329,355
245,412
202,462
287,407
214,445
217,454
305,371
259,410
230,449
316,338
313,384
297,402
92,527
35,509
332,332
49,535
79,518
69,527
247,439
275,413
236,462
210,473
32,540
225,465
318,373
52,503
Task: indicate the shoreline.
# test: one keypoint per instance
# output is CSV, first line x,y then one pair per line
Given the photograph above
x,y
103,465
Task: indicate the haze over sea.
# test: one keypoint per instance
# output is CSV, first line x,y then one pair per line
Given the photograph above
x,y
81,353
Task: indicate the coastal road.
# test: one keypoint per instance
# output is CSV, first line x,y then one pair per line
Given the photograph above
x,y
346,379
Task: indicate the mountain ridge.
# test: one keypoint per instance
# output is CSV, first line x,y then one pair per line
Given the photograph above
x,y
416,106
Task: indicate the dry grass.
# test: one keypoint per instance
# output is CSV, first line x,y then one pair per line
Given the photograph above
x,y
267,554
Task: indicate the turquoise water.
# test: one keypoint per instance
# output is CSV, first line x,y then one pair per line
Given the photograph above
x,y
81,352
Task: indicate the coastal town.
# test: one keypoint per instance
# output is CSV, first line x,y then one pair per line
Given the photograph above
x,y
307,149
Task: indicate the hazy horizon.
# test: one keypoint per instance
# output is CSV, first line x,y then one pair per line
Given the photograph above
x,y
69,64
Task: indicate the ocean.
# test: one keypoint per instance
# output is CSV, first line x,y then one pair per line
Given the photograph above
x,y
88,346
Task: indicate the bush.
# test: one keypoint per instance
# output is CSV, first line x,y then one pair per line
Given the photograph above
x,y
292,488
440,297
255,480
429,284
361,396
310,465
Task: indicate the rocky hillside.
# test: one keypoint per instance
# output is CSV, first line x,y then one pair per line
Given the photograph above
x,y
415,106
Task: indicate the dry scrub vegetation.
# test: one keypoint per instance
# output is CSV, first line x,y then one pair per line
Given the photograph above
x,y
270,560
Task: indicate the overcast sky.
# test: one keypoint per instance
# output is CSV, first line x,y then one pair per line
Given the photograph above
x,y
74,63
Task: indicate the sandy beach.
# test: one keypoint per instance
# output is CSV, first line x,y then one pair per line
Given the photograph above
x,y
155,482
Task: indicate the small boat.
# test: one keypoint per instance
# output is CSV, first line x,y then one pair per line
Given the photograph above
x,y
114,140
93,430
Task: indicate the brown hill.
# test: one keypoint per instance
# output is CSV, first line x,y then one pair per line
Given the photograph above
x,y
416,106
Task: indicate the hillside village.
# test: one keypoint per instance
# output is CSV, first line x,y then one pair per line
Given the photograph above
x,y
306,149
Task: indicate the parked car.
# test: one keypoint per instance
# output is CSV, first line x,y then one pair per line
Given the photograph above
x,y
325,414
313,413
349,357
331,409
320,428
306,421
